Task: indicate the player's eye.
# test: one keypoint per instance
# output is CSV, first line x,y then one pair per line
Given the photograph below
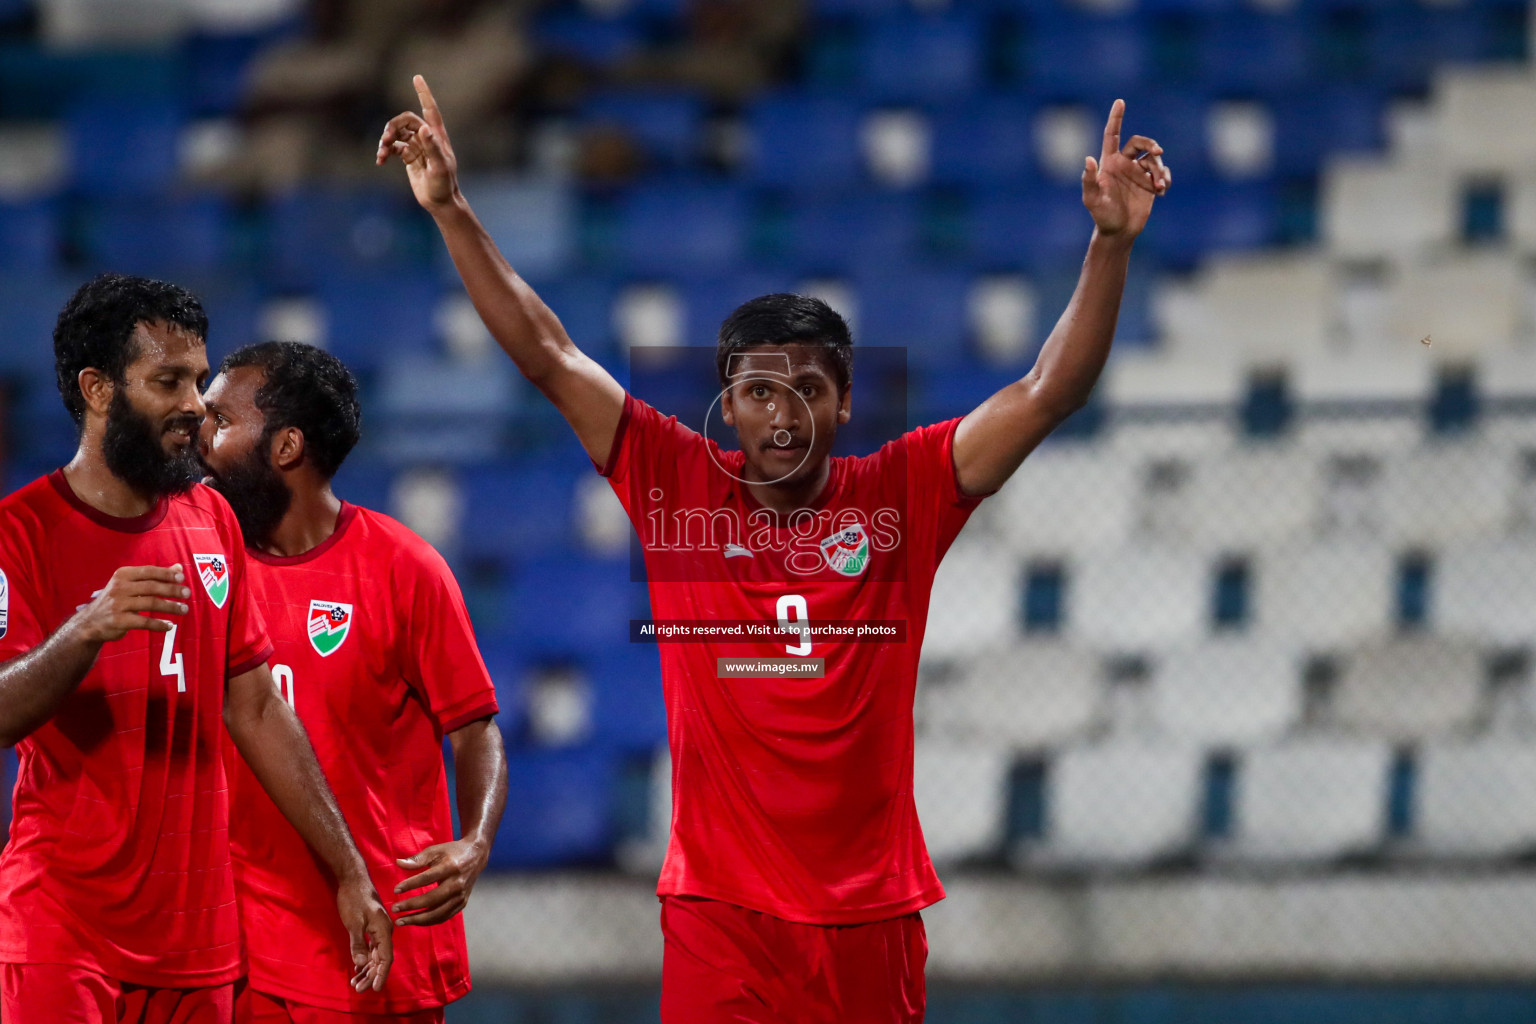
x,y
809,391
759,391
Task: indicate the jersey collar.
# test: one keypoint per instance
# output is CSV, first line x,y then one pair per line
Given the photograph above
x,y
343,520
122,524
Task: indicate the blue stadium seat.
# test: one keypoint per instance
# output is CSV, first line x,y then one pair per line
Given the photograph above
x,y
564,607
31,301
1043,228
372,318
860,8
1407,42
838,234
313,234
984,141
922,310
1314,124
123,148
956,390
1196,219
710,300
584,304
916,59
564,808
158,236
38,82
804,143
45,436
1075,56
582,37
668,126
681,228
233,304
513,513
628,711
216,67
29,235
1251,52
364,482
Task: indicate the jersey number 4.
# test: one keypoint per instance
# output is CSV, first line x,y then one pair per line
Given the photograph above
x,y
171,663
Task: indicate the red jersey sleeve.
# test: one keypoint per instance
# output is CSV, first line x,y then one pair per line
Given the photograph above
x,y
249,644
652,452
443,660
21,627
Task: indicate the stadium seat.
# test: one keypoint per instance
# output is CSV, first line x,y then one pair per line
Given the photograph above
x,y
1315,123
1325,595
918,59
920,310
1485,590
315,234
1310,799
1476,798
1264,308
1473,110
804,143
838,234
1226,692
961,792
984,141
577,36
564,607
1466,304
1120,804
515,513
32,299
1247,51
1139,597
667,126
1387,209
156,237
371,319
1066,500
975,601
1068,54
1446,493
1042,229
1198,218
564,808
628,711
1248,496
1028,696
123,148
1410,689
679,228
30,236
532,222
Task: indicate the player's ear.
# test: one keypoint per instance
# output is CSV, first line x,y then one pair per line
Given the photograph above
x,y
845,406
728,406
287,448
96,388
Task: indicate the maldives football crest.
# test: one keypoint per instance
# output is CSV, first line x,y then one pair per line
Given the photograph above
x,y
213,570
847,550
329,624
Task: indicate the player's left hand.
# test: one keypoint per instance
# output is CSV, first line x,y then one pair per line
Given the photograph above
x,y
369,928
1118,188
453,868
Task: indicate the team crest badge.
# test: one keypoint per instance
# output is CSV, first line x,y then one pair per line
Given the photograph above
x,y
329,624
213,570
847,550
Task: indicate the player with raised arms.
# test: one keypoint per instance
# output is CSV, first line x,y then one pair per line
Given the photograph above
x,y
376,654
129,646
796,866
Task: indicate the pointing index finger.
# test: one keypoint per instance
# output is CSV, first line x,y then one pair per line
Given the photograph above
x,y
1112,129
429,111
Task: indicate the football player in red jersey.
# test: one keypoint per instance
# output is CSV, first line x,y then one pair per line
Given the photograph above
x,y
796,866
376,654
129,645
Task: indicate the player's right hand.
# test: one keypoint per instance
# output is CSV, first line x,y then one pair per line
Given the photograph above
x,y
131,599
421,143
370,929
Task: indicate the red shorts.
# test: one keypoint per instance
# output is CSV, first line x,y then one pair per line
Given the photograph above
x,y
62,994
726,963
252,1007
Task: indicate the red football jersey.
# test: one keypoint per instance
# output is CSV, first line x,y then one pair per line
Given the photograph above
x,y
792,796
118,858
376,654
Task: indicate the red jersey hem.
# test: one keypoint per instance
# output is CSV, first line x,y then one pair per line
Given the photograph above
x,y
618,438
251,662
800,915
484,710
262,982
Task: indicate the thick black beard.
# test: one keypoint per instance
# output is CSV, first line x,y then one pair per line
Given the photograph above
x,y
135,454
257,494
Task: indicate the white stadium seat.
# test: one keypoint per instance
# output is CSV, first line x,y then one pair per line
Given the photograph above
x,y
1486,591
1464,305
975,602
1066,499
1225,692
1410,689
1311,799
1325,594
1387,209
1026,697
961,791
1252,496
1121,804
1473,110
1476,798
1451,491
1136,598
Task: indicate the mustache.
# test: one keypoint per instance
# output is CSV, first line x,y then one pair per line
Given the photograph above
x,y
189,421
794,442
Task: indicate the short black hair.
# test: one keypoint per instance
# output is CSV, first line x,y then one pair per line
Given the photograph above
x,y
95,328
307,388
784,319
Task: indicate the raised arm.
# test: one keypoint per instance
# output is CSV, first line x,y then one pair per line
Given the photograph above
x,y
34,684
585,393
1118,190
272,740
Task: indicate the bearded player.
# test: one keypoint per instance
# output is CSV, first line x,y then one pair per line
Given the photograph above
x,y
128,644
376,654
796,867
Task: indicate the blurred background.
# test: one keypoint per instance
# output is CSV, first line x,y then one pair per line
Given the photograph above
x,y
1226,710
